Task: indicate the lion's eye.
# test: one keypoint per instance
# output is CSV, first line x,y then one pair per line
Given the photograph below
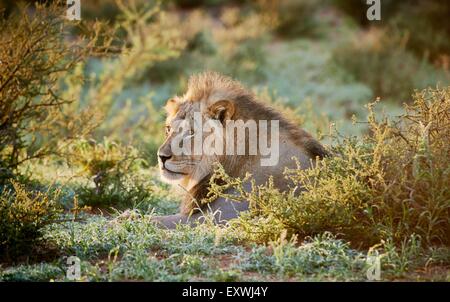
x,y
191,132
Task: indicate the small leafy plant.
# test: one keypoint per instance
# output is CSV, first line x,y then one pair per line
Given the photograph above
x,y
389,185
23,213
109,168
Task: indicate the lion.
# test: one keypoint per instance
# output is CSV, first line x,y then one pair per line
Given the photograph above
x,y
218,98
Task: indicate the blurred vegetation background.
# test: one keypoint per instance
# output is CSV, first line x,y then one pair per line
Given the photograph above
x,y
320,56
80,101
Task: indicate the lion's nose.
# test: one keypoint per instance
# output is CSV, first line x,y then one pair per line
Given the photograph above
x,y
164,158
164,154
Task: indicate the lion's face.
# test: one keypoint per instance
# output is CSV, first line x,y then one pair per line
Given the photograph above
x,y
180,159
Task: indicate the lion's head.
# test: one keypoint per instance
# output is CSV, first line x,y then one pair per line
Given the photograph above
x,y
196,117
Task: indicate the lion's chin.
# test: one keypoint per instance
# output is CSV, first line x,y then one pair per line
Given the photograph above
x,y
171,176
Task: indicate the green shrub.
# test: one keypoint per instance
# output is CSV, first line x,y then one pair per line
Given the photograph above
x,y
110,175
231,46
22,215
33,112
112,87
42,272
295,17
428,28
238,43
379,59
390,184
425,22
107,166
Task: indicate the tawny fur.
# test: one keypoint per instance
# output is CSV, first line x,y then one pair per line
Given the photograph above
x,y
208,88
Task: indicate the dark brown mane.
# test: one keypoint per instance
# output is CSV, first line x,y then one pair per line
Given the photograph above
x,y
206,84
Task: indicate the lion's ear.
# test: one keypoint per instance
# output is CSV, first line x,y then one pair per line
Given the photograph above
x,y
222,110
171,106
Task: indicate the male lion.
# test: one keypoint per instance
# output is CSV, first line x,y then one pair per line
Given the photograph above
x,y
217,98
